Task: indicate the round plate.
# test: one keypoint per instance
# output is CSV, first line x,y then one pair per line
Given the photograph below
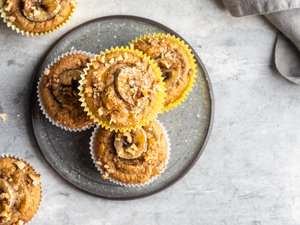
x,y
188,125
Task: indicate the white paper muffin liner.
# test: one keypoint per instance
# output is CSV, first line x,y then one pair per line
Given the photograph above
x,y
125,184
3,156
72,52
30,33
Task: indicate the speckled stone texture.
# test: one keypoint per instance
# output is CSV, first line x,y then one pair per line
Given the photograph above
x,y
249,173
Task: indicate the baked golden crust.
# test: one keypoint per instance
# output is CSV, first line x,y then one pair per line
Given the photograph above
x,y
146,159
174,62
122,89
38,16
59,92
20,191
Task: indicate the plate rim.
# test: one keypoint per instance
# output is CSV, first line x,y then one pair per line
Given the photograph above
x,y
33,96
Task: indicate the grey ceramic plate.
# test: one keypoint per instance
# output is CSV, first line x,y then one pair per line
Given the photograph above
x,y
68,153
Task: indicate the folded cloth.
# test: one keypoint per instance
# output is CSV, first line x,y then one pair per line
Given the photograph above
x,y
256,7
285,16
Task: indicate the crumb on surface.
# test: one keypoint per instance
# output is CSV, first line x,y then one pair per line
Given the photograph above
x,y
3,116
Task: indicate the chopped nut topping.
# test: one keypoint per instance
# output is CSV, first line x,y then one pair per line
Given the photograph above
x,y
102,59
27,5
5,214
47,72
96,65
4,196
111,60
106,166
20,222
99,163
35,179
89,91
100,112
21,165
112,121
11,18
131,45
120,58
8,5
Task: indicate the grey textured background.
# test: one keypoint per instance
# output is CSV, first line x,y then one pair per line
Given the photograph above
x,y
249,173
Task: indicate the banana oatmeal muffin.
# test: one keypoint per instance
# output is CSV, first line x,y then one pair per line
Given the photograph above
x,y
122,89
37,16
58,92
130,158
175,61
20,191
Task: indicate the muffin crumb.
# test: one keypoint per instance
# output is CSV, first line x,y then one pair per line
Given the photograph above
x,y
3,116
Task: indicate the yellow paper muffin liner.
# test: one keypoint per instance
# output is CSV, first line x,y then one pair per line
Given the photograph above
x,y
29,33
158,106
42,107
9,156
153,178
192,60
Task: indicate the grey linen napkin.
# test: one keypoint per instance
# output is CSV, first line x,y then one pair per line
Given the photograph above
x,y
285,16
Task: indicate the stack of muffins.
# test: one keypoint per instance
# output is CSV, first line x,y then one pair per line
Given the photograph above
x,y
122,90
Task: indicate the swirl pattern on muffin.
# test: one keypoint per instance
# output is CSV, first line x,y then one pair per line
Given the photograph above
x,y
35,17
130,157
176,62
58,92
122,89
20,191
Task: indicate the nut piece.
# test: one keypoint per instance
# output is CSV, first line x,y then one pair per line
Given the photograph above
x,y
47,72
102,59
20,222
100,112
27,5
11,18
21,165
99,163
35,179
8,5
89,91
96,65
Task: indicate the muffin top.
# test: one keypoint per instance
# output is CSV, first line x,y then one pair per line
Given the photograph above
x,y
20,191
38,16
131,157
174,62
121,89
59,91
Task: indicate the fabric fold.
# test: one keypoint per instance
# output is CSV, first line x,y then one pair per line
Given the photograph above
x,y
285,16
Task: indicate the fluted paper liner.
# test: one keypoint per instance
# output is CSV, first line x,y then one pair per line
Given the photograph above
x,y
30,33
9,156
153,178
62,126
192,60
158,106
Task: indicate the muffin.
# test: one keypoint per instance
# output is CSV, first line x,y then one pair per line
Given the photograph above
x,y
131,158
58,92
20,191
175,61
36,17
122,89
